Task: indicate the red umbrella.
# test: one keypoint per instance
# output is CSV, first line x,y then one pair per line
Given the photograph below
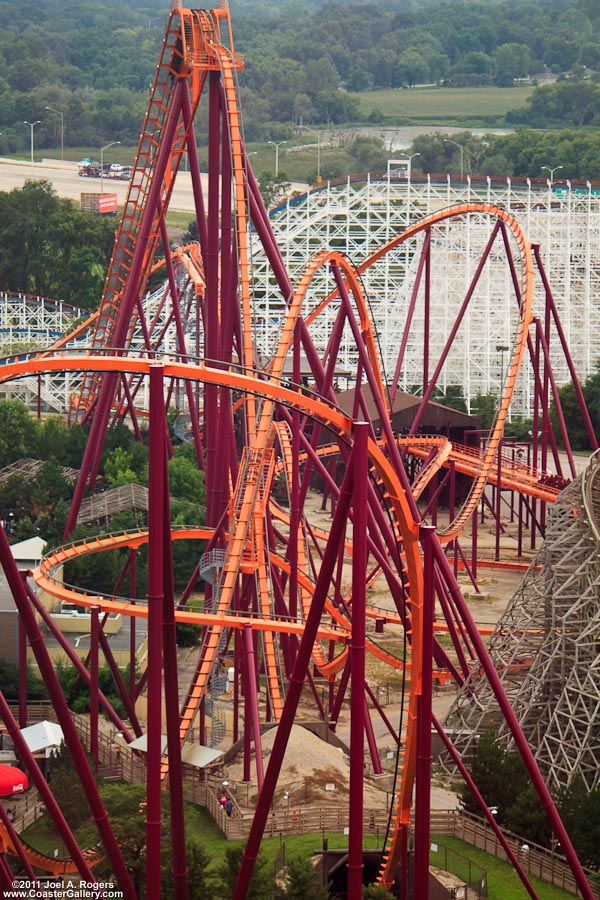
x,y
12,781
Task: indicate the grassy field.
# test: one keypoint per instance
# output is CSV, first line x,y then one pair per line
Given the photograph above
x,y
503,883
445,106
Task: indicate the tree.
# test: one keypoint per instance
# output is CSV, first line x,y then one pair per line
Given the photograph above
x,y
368,153
49,486
73,804
198,862
118,468
336,107
125,806
411,68
188,634
571,410
527,816
375,892
580,812
191,233
500,777
359,78
321,75
302,883
453,397
51,249
97,572
261,887
564,103
9,678
511,61
273,188
17,430
485,407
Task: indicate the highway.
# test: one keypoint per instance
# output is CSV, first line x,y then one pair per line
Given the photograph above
x,y
67,182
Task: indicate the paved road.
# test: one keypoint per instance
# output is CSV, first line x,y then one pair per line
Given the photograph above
x,y
67,183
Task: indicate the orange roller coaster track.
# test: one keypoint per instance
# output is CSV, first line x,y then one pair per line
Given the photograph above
x,y
278,602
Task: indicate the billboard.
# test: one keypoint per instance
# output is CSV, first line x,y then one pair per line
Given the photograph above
x,y
99,203
107,203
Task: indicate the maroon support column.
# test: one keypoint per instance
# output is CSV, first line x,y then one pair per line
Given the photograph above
x,y
16,842
22,670
179,869
423,772
132,621
523,747
252,696
296,684
360,466
155,611
65,719
94,670
484,808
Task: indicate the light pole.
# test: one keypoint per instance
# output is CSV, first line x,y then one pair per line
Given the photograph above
x,y
318,137
277,145
501,349
112,143
462,153
32,126
62,129
552,171
409,160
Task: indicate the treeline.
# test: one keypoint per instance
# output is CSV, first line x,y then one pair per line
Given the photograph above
x,y
50,248
92,63
526,154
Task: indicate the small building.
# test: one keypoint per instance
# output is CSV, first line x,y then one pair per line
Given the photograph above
x,y
27,554
437,418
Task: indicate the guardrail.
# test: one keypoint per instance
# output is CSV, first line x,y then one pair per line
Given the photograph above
x,y
204,788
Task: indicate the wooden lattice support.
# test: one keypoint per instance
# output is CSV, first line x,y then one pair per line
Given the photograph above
x,y
545,648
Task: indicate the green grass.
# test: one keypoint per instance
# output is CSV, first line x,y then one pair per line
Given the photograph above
x,y
445,106
42,836
503,881
179,219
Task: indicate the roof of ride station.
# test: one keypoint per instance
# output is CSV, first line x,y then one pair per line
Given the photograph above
x,y
436,418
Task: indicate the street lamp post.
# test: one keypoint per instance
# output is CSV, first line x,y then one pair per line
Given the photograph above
x,y
62,129
552,171
277,145
32,126
409,160
112,143
318,137
462,153
501,349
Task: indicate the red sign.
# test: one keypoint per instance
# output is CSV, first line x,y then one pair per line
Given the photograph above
x,y
12,781
107,203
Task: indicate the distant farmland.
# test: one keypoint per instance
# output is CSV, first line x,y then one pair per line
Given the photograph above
x,y
445,106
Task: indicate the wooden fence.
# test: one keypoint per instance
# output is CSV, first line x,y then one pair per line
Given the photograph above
x,y
536,860
204,789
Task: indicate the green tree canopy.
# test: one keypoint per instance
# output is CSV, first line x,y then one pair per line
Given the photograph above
x,y
49,248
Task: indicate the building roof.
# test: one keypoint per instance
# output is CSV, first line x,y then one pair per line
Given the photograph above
x,y
437,417
42,736
30,550
29,469
192,754
107,503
